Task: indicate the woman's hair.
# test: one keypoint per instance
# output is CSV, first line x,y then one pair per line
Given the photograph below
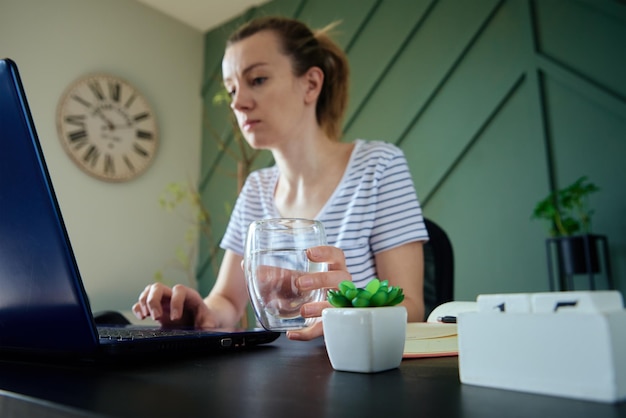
x,y
306,49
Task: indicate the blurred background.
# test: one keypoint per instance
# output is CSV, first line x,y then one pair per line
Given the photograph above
x,y
495,103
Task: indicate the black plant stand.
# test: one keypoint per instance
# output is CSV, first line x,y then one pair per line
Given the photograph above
x,y
577,255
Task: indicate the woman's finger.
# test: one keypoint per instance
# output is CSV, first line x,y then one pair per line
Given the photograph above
x,y
139,308
308,333
155,299
333,256
177,302
322,280
314,309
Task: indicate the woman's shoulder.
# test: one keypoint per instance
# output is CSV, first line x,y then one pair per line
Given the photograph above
x,y
263,174
260,179
367,150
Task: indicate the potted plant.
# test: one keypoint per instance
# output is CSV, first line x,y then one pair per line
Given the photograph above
x,y
365,330
569,214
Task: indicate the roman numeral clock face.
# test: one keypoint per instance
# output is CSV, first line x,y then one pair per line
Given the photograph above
x,y
107,127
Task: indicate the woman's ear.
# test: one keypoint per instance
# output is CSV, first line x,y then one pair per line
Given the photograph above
x,y
313,79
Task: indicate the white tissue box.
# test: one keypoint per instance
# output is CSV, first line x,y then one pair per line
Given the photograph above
x,y
576,351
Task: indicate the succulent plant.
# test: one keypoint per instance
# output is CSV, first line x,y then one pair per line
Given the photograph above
x,y
375,293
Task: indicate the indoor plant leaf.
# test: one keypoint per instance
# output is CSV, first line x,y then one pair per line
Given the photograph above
x,y
375,294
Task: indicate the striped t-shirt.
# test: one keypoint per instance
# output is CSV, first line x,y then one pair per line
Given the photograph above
x,y
374,208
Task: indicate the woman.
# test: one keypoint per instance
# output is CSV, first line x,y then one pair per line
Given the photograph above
x,y
289,94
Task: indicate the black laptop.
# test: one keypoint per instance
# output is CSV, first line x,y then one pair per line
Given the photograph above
x,y
44,310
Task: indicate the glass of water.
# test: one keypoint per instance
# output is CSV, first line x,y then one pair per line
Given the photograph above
x,y
275,256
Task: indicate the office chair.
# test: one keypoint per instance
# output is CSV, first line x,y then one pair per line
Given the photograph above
x,y
438,268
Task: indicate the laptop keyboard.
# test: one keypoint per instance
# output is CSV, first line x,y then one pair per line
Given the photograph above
x,y
122,333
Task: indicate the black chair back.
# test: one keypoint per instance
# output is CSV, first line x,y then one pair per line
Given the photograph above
x,y
438,268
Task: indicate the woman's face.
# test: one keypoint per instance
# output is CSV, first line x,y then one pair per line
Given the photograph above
x,y
267,99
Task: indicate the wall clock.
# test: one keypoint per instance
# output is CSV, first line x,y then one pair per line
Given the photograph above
x,y
107,127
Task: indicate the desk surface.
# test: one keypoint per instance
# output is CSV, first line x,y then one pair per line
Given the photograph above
x,y
271,381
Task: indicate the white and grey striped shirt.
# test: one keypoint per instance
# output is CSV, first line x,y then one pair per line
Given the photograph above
x,y
374,208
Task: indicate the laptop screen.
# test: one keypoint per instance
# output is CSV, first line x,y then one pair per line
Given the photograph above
x,y
43,306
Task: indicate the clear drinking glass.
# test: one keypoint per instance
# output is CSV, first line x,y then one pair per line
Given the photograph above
x,y
275,256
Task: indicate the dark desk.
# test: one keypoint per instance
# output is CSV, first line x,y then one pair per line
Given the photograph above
x,y
284,378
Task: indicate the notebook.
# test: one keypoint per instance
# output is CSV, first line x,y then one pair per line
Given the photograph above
x,y
44,309
428,339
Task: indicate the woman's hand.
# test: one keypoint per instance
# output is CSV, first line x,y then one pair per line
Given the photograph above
x,y
337,272
173,307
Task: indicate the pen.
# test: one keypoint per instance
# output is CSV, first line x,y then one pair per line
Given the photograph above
x,y
447,319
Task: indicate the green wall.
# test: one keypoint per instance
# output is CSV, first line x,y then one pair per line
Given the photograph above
x,y
494,103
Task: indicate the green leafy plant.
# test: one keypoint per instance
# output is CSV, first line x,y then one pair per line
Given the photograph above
x,y
184,200
376,293
567,209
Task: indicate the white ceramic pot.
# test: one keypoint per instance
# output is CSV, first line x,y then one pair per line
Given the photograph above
x,y
365,340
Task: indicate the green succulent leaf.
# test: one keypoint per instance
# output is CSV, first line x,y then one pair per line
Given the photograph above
x,y
351,293
359,302
346,285
337,299
393,292
379,298
373,286
396,300
363,294
375,293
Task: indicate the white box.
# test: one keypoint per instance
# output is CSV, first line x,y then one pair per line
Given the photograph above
x,y
578,351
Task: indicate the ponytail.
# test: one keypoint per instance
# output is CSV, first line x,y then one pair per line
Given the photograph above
x,y
333,100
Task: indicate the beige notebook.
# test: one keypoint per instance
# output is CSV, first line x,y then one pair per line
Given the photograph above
x,y
430,339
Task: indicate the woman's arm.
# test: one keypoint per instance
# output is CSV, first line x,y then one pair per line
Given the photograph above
x,y
403,266
228,299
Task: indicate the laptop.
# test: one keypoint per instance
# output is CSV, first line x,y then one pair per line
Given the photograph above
x,y
44,309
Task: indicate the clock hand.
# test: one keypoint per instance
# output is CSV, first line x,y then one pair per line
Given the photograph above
x,y
110,124
124,126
